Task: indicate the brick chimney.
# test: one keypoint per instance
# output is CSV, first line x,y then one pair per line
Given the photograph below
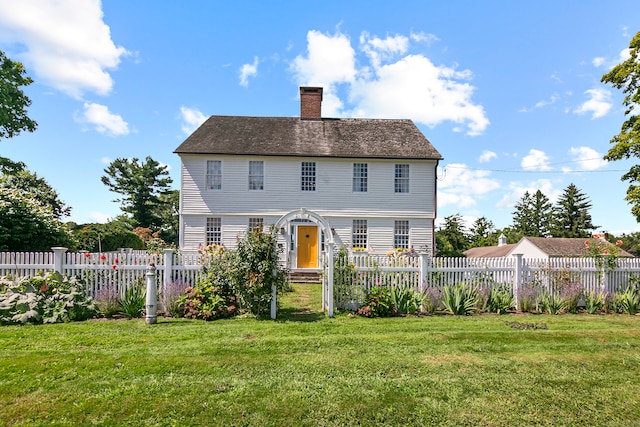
x,y
310,103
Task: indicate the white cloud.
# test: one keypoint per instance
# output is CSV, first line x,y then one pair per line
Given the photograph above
x,y
486,156
330,60
535,160
103,120
100,217
460,185
598,61
382,50
423,38
395,84
248,70
415,88
192,118
67,43
587,158
545,102
598,104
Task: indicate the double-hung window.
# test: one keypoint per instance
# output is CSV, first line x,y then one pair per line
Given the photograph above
x,y
308,176
214,175
214,231
256,175
401,234
401,181
360,172
359,234
256,224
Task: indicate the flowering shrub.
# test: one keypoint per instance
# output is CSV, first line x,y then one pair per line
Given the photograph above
x,y
431,299
107,300
170,297
237,281
378,302
604,253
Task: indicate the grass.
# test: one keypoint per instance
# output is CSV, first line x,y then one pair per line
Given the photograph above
x,y
305,369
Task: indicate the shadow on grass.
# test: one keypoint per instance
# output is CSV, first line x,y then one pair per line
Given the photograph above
x,y
294,314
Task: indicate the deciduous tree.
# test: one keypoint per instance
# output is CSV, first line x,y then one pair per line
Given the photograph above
x,y
626,144
13,101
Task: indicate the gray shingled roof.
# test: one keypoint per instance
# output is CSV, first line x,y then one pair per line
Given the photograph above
x,y
489,251
291,136
566,246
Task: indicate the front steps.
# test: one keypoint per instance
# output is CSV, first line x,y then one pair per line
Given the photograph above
x,y
304,276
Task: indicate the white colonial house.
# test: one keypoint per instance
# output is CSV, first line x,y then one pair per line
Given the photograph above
x,y
367,184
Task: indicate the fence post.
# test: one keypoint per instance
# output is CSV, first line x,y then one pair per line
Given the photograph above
x,y
58,258
330,278
168,268
151,302
517,278
424,262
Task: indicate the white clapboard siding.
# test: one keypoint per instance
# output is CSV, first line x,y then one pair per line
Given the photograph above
x,y
333,199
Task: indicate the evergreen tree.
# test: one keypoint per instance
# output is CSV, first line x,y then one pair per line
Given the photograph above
x,y
482,231
571,216
141,184
452,239
533,215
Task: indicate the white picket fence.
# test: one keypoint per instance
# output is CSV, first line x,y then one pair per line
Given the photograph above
x,y
97,270
355,275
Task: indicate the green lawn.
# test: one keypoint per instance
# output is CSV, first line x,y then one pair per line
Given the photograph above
x,y
308,370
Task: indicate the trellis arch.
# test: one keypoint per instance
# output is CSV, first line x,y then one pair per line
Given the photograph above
x,y
327,280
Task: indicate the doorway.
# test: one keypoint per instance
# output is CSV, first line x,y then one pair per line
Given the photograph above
x,y
307,245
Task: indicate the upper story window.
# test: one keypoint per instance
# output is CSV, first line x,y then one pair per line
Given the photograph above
x,y
256,175
401,234
401,182
359,234
360,175
214,175
308,176
214,231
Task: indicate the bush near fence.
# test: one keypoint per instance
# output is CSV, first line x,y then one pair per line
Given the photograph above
x,y
356,274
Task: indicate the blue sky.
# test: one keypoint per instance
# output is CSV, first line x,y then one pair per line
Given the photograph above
x,y
509,92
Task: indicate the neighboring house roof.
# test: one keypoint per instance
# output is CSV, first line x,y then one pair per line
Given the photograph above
x,y
489,251
567,246
292,136
552,246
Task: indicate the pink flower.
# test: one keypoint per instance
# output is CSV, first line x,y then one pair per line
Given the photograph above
x,y
115,260
114,266
103,256
619,243
605,252
88,255
587,244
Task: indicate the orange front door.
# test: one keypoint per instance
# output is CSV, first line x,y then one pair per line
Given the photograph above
x,y
307,246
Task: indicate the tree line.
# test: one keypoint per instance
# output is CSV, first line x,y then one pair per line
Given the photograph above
x,y
534,216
